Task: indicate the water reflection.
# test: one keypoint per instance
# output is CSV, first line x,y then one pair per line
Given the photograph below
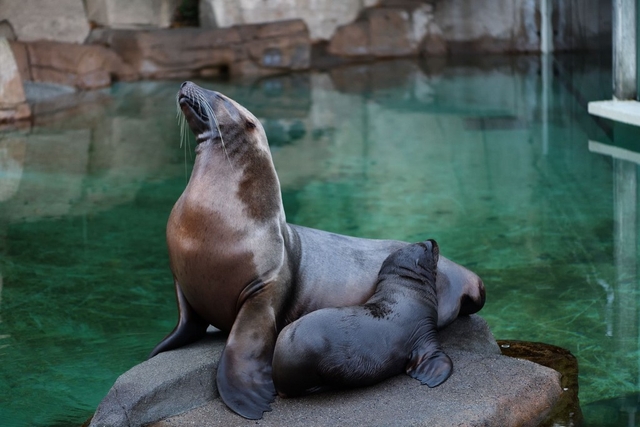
x,y
622,296
470,152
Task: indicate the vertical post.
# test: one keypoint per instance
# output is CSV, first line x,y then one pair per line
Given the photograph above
x,y
625,229
546,28
546,47
547,81
637,49
624,49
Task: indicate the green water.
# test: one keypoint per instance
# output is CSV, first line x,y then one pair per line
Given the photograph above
x,y
489,156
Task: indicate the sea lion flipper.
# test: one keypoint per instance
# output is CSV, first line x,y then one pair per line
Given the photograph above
x,y
190,327
244,372
431,369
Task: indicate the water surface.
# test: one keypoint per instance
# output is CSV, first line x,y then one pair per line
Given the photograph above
x,y
491,157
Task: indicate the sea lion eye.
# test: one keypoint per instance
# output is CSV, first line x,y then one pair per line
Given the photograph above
x,y
250,125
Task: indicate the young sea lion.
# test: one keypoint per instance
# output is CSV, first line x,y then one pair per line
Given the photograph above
x,y
393,332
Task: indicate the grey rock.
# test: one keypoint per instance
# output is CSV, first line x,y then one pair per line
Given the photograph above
x,y
321,16
168,384
485,389
13,104
59,20
246,49
132,14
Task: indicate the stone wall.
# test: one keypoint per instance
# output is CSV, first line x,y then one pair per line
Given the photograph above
x,y
322,17
131,14
13,104
60,20
52,41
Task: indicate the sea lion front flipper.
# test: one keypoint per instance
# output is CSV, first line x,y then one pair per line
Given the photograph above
x,y
244,372
190,327
428,363
431,368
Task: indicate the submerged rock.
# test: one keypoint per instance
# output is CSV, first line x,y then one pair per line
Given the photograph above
x,y
567,410
485,389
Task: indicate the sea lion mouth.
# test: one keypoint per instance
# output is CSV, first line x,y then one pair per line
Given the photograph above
x,y
192,106
196,111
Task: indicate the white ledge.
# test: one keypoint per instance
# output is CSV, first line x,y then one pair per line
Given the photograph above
x,y
615,152
620,111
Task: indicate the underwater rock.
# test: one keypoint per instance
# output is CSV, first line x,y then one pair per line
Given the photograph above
x,y
567,410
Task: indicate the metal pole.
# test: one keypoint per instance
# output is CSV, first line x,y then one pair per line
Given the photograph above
x,y
546,28
624,49
547,76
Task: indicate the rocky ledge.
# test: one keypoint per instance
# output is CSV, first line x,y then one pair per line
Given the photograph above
x,y
177,389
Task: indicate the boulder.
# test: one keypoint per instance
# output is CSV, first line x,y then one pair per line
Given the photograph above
x,y
13,105
80,66
321,16
485,389
247,49
386,32
132,14
59,20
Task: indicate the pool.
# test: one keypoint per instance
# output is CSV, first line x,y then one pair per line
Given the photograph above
x,y
494,157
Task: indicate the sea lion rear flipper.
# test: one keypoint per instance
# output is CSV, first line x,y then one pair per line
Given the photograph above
x,y
430,368
244,372
190,327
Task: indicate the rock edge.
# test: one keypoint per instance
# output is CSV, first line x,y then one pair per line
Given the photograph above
x,y
486,389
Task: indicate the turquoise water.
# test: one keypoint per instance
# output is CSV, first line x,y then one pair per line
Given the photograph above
x,y
492,157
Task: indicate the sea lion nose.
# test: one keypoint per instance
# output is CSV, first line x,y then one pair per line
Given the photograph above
x,y
184,84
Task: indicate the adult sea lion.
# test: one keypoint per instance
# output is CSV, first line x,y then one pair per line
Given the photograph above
x,y
394,331
238,265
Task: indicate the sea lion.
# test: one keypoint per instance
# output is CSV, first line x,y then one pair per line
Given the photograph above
x,y
237,264
394,331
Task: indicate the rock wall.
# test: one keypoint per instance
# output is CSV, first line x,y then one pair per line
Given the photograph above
x,y
489,25
582,24
13,104
60,20
52,43
248,49
131,14
322,17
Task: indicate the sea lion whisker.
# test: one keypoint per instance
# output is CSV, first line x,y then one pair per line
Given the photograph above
x,y
212,118
184,133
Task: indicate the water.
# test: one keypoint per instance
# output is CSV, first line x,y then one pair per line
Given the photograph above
x,y
491,157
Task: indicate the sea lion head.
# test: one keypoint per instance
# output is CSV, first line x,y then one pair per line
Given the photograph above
x,y
216,118
417,261
459,291
232,147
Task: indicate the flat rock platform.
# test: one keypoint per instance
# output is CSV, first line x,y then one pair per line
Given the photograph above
x,y
177,388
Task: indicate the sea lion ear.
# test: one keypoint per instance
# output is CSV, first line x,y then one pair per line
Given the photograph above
x,y
432,369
